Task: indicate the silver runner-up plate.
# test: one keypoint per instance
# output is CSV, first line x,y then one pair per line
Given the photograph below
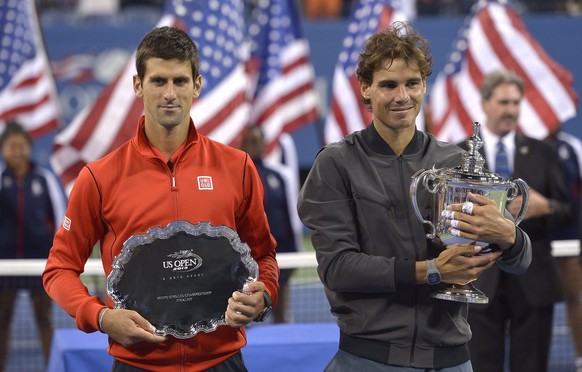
x,y
180,277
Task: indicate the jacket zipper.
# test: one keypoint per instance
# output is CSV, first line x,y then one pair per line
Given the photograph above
x,y
407,209
173,188
170,164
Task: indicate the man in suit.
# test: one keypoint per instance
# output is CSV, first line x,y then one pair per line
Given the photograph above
x,y
520,305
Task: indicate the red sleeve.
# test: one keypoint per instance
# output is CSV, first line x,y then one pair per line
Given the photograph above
x,y
72,246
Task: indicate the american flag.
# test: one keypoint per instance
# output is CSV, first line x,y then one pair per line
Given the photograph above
x,y
495,38
77,68
221,112
284,97
347,112
27,88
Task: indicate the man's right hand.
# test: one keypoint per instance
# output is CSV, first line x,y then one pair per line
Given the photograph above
x,y
127,327
460,264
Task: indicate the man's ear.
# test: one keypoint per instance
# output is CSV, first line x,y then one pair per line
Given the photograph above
x,y
137,87
197,87
365,90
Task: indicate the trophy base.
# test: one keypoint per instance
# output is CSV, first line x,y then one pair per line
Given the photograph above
x,y
449,239
467,293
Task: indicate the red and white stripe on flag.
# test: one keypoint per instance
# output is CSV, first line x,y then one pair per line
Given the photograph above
x,y
495,38
284,97
347,112
27,88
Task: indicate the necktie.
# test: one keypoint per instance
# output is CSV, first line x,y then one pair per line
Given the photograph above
x,y
501,162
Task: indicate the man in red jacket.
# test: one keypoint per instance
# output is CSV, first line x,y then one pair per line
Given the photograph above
x,y
167,172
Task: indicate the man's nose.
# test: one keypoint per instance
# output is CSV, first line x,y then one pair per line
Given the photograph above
x,y
401,93
169,93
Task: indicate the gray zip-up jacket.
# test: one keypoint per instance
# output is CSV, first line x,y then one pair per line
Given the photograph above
x,y
367,240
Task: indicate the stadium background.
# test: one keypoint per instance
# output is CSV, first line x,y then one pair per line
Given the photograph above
x,y
95,46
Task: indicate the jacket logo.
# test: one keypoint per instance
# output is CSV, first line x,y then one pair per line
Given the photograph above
x,y
205,183
36,188
67,223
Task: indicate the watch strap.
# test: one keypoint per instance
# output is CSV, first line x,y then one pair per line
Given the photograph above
x,y
264,314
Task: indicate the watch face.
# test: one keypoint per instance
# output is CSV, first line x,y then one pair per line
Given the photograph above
x,y
433,278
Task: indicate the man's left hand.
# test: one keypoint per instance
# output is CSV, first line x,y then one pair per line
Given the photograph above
x,y
484,223
244,307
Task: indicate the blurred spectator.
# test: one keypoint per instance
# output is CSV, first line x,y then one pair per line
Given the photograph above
x,y
101,7
444,7
521,307
56,4
32,204
540,6
573,7
130,3
278,213
321,9
569,150
427,7
460,7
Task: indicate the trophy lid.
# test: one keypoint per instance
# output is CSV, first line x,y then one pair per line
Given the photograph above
x,y
472,161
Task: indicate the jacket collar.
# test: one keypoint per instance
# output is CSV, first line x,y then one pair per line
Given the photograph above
x,y
143,144
377,144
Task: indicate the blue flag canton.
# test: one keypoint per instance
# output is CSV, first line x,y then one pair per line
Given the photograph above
x,y
364,22
457,56
274,25
460,45
16,38
217,28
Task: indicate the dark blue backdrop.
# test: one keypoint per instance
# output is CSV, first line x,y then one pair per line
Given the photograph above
x,y
116,37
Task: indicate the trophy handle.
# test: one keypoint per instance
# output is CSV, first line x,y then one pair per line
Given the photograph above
x,y
519,186
424,175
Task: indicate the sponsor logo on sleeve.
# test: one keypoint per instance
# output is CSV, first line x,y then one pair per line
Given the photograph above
x,y
67,223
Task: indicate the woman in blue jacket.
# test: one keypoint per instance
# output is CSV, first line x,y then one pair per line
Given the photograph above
x,y
32,204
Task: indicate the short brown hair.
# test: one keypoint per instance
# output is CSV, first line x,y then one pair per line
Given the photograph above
x,y
400,41
167,43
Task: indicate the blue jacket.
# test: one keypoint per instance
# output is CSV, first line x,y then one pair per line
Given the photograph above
x,y
569,150
30,210
276,207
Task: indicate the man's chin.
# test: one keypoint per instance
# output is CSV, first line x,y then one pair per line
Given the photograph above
x,y
169,124
170,120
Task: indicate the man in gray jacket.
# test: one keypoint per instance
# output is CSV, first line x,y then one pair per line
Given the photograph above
x,y
371,249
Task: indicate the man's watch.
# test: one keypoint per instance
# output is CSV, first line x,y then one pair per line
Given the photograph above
x,y
264,314
433,275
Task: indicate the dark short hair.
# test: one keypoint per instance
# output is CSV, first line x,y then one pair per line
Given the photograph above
x,y
400,41
13,127
167,43
498,77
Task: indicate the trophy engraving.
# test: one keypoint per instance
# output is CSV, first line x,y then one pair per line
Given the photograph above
x,y
451,185
180,277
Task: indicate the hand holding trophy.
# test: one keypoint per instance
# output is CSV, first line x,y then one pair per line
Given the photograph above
x,y
453,187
